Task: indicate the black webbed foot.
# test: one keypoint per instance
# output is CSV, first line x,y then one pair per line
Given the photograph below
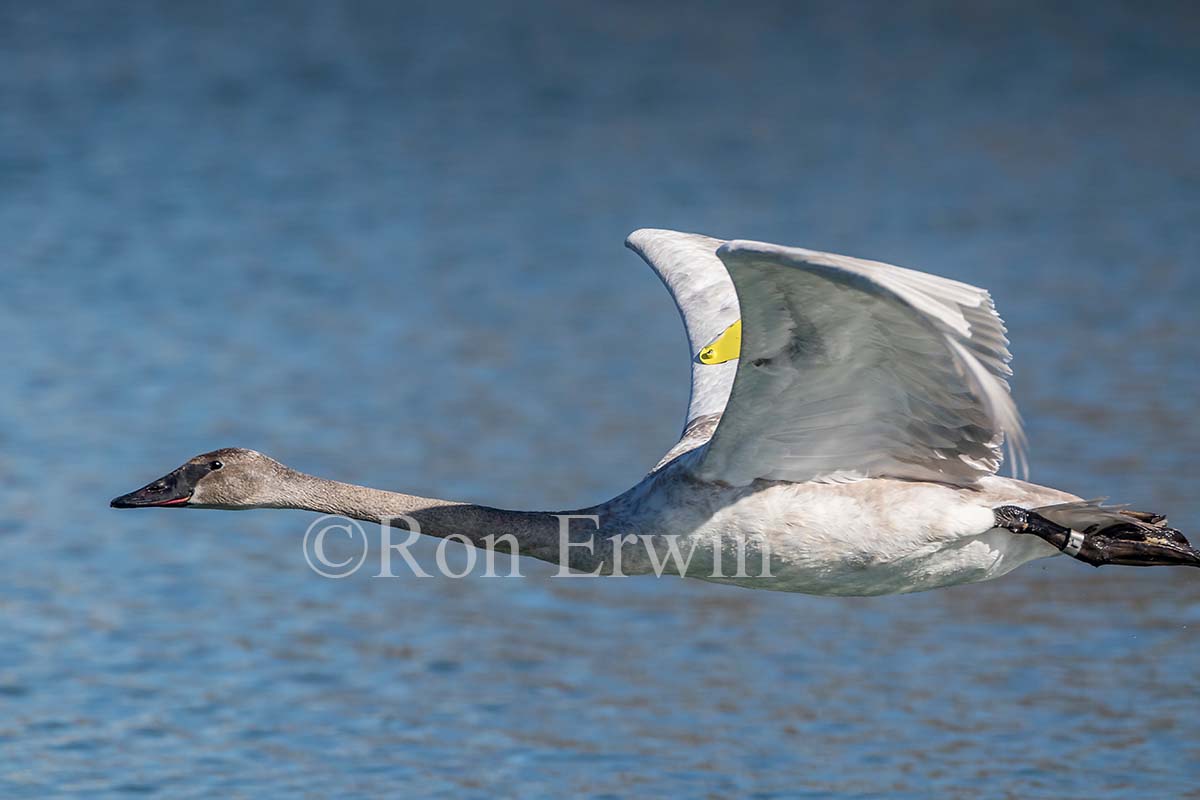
x,y
1138,546
1142,541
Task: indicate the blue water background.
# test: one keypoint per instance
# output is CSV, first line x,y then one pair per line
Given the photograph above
x,y
382,242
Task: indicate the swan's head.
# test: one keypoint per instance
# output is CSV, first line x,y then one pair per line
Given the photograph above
x,y
231,478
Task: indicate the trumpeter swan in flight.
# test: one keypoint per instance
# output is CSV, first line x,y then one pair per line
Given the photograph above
x,y
846,422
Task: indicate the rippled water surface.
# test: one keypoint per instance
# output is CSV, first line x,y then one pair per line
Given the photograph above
x,y
382,242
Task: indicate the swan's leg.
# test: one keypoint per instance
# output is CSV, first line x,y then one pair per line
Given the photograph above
x,y
1129,544
1022,520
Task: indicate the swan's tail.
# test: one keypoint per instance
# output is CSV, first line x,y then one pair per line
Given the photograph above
x,y
1118,535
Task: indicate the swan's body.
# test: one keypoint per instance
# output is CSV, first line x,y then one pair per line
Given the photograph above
x,y
874,536
844,429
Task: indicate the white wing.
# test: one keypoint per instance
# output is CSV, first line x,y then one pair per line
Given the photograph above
x,y
701,288
853,368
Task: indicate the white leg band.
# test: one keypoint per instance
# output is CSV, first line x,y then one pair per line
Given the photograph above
x,y
1074,544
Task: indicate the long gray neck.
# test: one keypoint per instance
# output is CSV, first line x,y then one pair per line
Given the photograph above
x,y
536,532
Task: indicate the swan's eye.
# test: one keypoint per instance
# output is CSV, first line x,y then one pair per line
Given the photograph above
x,y
215,465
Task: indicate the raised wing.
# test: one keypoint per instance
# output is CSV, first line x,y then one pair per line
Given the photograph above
x,y
853,368
701,288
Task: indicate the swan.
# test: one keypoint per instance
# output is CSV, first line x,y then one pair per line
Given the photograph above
x,y
846,422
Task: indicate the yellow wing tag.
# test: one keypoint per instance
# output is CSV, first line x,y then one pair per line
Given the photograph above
x,y
725,347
